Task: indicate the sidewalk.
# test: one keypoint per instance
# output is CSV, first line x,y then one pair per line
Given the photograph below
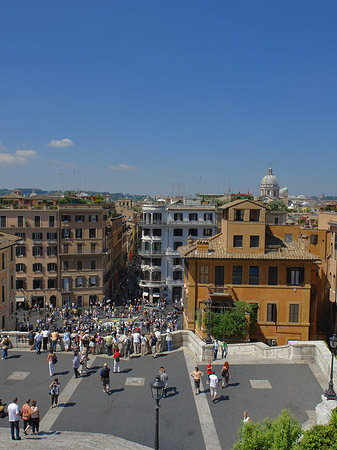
x,y
57,440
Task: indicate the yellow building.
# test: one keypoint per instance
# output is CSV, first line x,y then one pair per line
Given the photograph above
x,y
247,262
7,280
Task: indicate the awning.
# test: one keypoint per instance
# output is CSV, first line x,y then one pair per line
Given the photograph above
x,y
146,294
20,299
155,294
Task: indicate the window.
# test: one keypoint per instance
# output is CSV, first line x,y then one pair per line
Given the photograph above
x,y
288,237
37,283
314,239
176,261
79,265
37,237
178,217
255,310
177,275
156,232
237,241
92,281
20,221
65,233
3,221
207,231
79,233
254,241
157,247
2,294
79,248
20,268
66,284
276,220
93,264
79,300
204,272
51,237
65,265
208,217
177,232
271,342
237,275
92,233
156,218
92,248
219,276
272,276
79,218
37,221
37,267
79,282
254,275
146,232
66,218
271,312
52,283
193,217
52,250
193,232
20,283
3,261
21,235
20,250
12,282
51,221
37,250
239,215
293,313
254,215
176,245
93,218
295,276
51,267
65,248
156,276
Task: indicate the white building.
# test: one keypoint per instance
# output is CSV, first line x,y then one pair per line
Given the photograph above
x,y
269,187
165,227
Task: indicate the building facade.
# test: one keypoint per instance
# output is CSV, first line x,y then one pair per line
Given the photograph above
x,y
247,262
164,228
7,281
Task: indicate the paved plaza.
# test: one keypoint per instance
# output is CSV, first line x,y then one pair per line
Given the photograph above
x,y
125,419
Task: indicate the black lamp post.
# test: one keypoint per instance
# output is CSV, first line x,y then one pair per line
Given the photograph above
x,y
208,304
157,390
330,394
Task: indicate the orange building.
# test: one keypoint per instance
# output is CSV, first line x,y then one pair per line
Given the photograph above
x,y
248,262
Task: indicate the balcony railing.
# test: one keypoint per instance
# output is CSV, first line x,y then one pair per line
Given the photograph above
x,y
220,291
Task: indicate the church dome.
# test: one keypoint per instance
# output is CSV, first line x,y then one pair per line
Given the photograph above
x,y
270,179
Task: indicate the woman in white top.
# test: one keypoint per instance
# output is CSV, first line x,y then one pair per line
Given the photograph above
x,y
246,418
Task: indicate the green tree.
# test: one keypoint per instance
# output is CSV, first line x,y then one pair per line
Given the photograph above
x,y
277,205
278,434
320,437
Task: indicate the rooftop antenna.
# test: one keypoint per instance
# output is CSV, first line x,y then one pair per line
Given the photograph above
x,y
229,183
200,185
74,180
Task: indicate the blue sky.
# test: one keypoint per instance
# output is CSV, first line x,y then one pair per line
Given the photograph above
x,y
168,96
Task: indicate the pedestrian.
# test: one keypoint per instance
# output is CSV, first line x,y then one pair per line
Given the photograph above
x,y
246,418
45,336
136,341
66,340
35,418
5,346
169,339
226,374
215,349
153,342
163,377
108,343
213,384
76,364
25,414
54,391
209,370
197,374
128,345
14,419
31,339
51,362
2,409
54,338
158,343
224,349
105,378
117,361
143,346
38,342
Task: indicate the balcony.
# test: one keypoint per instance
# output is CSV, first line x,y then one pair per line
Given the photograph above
x,y
148,283
66,290
219,292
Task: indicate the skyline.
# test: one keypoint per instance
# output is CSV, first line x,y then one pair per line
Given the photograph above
x,y
140,97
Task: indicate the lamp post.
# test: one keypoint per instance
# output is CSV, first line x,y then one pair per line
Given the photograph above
x,y
208,304
330,393
157,390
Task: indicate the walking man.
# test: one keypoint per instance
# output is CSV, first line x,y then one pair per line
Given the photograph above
x,y
215,349
45,336
213,384
105,378
163,377
14,419
76,365
5,346
117,361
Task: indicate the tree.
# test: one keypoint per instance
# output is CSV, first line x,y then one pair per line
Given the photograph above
x,y
277,205
278,434
320,437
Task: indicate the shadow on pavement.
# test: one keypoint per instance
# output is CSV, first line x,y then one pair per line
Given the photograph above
x,y
113,391
221,399
171,392
14,356
62,373
67,405
126,371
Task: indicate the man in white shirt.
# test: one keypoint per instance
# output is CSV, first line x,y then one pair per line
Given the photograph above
x,y
136,341
14,418
158,344
45,336
213,384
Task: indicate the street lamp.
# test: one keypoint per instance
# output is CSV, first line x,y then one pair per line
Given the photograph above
x,y
330,393
208,304
157,390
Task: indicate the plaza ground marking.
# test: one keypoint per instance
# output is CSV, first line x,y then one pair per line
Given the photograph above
x,y
260,384
52,415
208,430
133,381
18,376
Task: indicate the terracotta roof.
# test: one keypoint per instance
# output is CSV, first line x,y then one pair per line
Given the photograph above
x,y
216,250
11,195
7,240
239,201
